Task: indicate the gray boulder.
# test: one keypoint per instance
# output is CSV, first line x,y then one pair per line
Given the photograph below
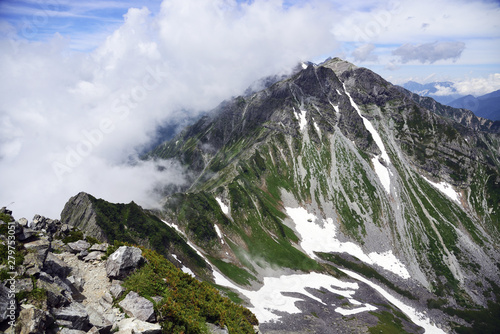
x,y
97,320
132,325
99,247
138,307
93,256
123,261
26,233
78,246
74,313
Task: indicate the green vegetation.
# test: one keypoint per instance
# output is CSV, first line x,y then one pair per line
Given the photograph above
x,y
235,273
130,223
186,303
387,324
74,235
5,217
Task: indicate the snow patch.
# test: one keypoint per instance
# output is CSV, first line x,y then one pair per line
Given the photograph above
x,y
317,128
219,233
223,206
304,66
317,238
301,117
351,311
415,316
446,189
390,262
383,174
381,170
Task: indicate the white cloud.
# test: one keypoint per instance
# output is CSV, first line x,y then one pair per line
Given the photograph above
x,y
478,86
72,121
430,52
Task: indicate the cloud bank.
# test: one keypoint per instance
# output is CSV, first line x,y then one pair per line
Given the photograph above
x,y
76,121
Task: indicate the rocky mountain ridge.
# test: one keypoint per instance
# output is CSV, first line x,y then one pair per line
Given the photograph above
x,y
61,283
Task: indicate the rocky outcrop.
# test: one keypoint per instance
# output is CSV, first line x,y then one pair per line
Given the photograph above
x,y
79,212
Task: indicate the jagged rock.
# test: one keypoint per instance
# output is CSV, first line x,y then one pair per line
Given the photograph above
x,y
55,266
93,256
37,252
78,246
123,261
132,325
76,314
97,320
57,296
138,307
77,282
60,246
99,247
32,320
26,233
116,290
38,222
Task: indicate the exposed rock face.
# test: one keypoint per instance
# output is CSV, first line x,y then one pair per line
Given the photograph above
x,y
79,212
123,261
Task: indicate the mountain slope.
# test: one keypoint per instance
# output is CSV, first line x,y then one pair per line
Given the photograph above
x,y
374,171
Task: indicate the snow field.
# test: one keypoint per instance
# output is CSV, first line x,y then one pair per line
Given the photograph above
x,y
316,238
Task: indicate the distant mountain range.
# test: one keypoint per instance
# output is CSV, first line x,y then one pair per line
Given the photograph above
x,y
443,92
486,106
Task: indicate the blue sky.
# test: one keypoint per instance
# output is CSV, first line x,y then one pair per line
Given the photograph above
x,y
85,84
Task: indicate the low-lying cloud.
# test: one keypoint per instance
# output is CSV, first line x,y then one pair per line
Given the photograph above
x,y
74,121
430,52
